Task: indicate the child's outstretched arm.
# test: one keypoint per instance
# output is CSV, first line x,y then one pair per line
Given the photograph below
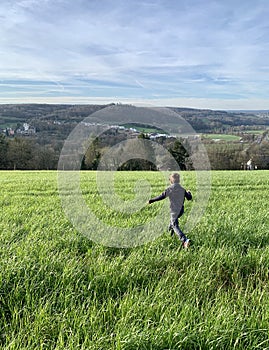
x,y
158,198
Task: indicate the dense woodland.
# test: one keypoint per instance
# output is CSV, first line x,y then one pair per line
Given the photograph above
x,y
22,153
51,124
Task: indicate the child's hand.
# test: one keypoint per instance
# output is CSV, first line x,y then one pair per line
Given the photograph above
x,y
189,195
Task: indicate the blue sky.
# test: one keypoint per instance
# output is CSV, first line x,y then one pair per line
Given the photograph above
x,y
192,53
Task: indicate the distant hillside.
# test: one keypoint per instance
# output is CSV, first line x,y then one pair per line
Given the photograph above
x,y
208,121
57,121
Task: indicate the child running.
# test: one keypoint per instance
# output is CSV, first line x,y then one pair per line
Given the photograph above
x,y
177,195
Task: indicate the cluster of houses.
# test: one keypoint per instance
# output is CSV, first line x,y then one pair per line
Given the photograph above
x,y
26,129
131,130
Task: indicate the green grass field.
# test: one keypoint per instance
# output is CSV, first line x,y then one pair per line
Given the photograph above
x,y
222,137
255,131
59,290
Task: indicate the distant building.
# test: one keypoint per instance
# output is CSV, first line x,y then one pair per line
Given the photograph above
x,y
249,165
9,131
26,126
155,135
27,129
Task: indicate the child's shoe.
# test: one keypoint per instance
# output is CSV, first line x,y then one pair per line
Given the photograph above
x,y
186,244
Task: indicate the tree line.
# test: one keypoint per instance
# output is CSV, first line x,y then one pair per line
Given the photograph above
x,y
25,154
234,156
21,153
147,159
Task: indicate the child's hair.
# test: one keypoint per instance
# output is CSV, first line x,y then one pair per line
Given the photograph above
x,y
174,178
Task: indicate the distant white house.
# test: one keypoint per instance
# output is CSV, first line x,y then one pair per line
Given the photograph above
x,y
26,126
249,164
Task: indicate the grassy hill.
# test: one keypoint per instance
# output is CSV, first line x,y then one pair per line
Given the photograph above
x,y
59,290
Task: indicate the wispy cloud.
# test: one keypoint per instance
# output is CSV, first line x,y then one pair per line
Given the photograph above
x,y
135,50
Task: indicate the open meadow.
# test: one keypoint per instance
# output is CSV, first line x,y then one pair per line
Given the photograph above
x,y
60,290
